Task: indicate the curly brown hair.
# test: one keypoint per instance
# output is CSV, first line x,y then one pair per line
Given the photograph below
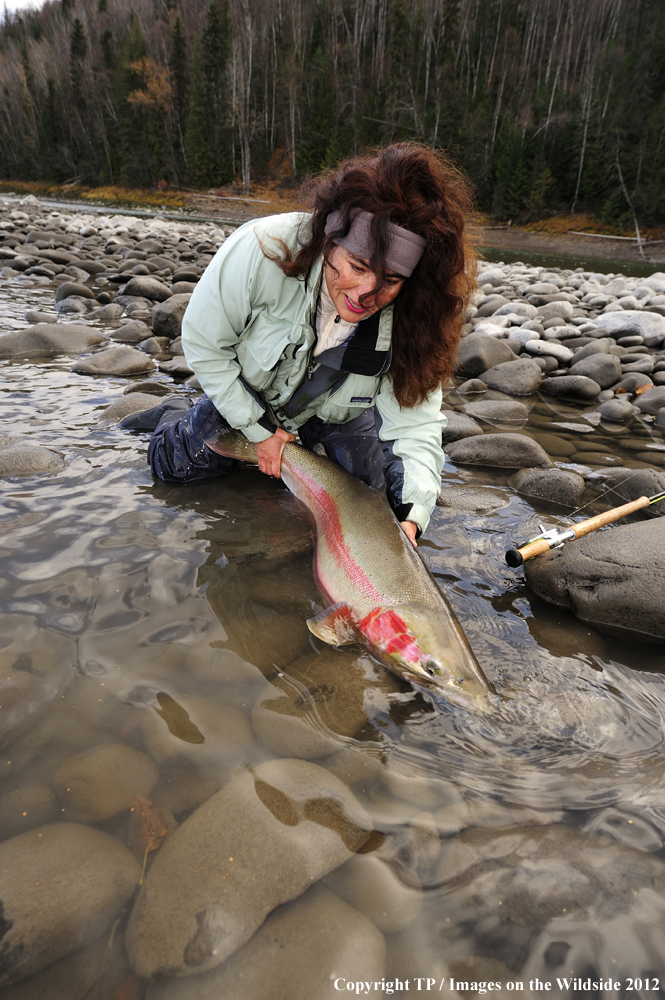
x,y
420,189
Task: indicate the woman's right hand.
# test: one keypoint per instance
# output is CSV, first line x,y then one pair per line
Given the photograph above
x,y
269,452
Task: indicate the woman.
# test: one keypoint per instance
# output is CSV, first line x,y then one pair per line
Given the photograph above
x,y
338,326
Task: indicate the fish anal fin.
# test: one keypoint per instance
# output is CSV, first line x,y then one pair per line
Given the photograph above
x,y
334,626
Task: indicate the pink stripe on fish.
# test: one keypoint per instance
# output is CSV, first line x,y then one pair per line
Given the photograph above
x,y
331,530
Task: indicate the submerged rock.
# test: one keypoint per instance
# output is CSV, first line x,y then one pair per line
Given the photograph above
x,y
62,886
28,460
100,782
298,953
504,451
212,877
46,339
370,885
133,402
115,361
498,411
459,426
25,808
97,972
556,485
612,579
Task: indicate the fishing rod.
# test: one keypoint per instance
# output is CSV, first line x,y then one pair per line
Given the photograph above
x,y
555,537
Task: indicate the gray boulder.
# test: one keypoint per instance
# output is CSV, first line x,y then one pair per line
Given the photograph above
x,y
167,316
147,288
62,887
68,288
126,405
499,411
612,579
503,451
18,459
617,410
577,387
515,378
134,332
100,782
556,485
115,361
562,310
177,367
154,388
478,352
459,426
110,311
632,382
652,400
604,369
547,348
277,964
648,325
46,339
471,386
212,877
601,346
631,484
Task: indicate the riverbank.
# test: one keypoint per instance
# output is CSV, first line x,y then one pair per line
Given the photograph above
x,y
230,206
599,246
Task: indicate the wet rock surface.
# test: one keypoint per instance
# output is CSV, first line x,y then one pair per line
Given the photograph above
x,y
100,782
211,876
297,954
614,579
62,886
508,451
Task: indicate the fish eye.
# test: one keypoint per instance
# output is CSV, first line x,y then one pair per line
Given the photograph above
x,y
431,668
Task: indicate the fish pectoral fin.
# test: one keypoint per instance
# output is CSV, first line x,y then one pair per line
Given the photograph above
x,y
334,626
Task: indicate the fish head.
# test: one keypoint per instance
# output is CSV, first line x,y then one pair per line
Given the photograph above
x,y
425,646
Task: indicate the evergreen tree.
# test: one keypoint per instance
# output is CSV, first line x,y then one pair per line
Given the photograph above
x,y
78,49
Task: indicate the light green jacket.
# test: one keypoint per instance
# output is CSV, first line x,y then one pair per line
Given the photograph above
x,y
247,318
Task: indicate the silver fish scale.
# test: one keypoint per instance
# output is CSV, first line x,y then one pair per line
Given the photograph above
x,y
373,539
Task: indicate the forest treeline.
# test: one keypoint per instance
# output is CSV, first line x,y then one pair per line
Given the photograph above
x,y
550,105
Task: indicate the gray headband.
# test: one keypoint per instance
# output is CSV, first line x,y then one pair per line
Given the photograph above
x,y
404,247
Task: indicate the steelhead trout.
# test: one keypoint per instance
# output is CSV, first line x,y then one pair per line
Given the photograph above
x,y
380,591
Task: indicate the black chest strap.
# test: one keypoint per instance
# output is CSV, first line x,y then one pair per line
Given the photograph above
x,y
332,367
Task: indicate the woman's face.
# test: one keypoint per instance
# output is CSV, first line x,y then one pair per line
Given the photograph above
x,y
349,278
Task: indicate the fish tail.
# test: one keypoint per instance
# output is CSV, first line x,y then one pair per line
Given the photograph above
x,y
233,444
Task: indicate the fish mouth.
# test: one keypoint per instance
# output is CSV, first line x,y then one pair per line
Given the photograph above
x,y
466,692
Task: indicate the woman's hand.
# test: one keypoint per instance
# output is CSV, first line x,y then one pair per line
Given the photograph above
x,y
269,452
410,528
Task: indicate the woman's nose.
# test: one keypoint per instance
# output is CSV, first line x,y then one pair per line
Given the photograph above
x,y
366,283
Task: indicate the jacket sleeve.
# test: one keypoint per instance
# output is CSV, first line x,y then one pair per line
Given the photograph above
x,y
412,453
218,312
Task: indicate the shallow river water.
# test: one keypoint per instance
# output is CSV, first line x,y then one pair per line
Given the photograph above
x,y
523,845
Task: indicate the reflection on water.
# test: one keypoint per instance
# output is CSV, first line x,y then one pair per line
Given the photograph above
x,y
631,269
157,667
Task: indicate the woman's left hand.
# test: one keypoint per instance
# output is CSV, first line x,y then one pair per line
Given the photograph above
x,y
410,530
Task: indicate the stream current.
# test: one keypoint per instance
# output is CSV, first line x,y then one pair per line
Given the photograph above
x,y
529,842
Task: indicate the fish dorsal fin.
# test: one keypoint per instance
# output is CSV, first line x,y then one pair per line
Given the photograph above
x,y
335,626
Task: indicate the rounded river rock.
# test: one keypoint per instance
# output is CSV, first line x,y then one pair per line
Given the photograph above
x,y
61,887
612,579
261,841
503,451
299,953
